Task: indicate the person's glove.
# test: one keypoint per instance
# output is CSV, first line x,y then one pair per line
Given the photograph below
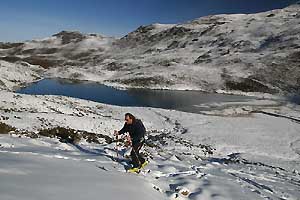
x,y
128,140
116,132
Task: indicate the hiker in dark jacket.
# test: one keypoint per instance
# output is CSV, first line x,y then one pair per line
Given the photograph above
x,y
137,131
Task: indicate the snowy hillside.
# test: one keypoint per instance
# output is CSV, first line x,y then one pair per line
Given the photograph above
x,y
230,52
61,147
16,75
214,53
56,147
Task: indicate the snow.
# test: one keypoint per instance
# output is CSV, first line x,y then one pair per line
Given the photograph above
x,y
160,27
235,47
27,176
236,150
14,75
49,42
256,156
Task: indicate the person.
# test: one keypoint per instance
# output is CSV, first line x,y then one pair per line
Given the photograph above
x,y
136,130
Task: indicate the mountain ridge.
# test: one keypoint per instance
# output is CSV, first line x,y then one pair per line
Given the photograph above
x,y
228,52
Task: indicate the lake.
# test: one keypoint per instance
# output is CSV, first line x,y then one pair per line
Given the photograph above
x,y
187,101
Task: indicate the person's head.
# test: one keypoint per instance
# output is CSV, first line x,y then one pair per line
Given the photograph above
x,y
129,118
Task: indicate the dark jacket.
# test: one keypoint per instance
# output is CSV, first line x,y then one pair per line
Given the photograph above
x,y
136,130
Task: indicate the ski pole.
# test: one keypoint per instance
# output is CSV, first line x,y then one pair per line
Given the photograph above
x,y
117,149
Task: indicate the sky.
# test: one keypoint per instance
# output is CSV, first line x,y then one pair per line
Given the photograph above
x,y
22,20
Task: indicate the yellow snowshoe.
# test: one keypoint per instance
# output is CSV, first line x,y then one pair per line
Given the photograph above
x,y
134,170
144,164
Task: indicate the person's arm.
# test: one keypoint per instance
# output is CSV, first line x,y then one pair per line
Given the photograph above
x,y
123,130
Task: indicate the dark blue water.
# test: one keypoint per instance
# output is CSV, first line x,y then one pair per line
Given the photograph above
x,y
168,99
295,99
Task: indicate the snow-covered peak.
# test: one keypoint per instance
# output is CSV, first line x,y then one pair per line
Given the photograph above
x,y
160,27
244,52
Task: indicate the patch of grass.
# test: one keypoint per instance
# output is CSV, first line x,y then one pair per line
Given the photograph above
x,y
114,66
75,75
2,83
65,135
11,59
271,15
69,135
9,45
146,81
4,128
204,58
248,85
43,61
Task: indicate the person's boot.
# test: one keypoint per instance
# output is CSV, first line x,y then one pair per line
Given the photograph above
x,y
144,164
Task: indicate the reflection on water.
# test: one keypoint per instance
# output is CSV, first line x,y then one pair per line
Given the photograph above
x,y
169,99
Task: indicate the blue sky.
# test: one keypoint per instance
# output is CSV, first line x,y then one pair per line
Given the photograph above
x,y
28,19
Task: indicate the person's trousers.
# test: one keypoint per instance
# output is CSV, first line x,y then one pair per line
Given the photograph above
x,y
136,158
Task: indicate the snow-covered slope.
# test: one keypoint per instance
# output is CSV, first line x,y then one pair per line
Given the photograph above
x,y
242,154
243,52
231,52
13,76
54,147
64,48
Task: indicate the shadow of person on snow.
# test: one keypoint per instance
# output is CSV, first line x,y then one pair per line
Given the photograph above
x,y
101,152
